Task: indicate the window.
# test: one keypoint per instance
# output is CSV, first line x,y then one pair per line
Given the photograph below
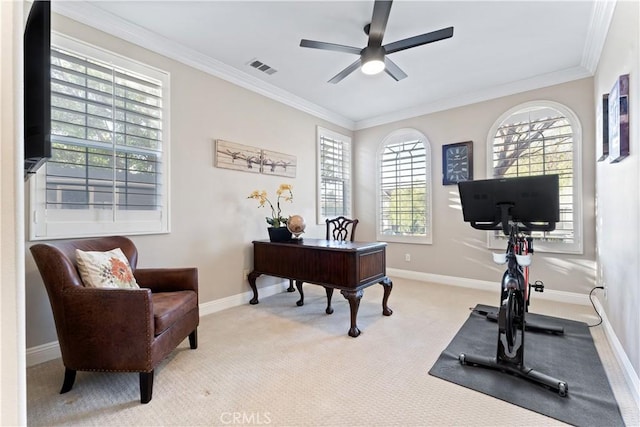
x,y
334,175
108,170
541,138
404,188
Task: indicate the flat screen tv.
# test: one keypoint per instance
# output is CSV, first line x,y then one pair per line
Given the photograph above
x,y
37,87
533,201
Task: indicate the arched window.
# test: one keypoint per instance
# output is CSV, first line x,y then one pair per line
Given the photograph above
x,y
403,211
542,138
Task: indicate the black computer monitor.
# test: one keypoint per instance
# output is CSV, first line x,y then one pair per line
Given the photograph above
x,y
532,201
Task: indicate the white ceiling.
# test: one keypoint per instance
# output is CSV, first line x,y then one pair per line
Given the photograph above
x,y
498,48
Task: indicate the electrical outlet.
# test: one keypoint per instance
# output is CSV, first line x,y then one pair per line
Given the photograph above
x,y
245,273
407,257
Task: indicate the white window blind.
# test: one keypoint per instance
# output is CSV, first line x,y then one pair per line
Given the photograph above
x,y
107,172
541,140
404,196
334,170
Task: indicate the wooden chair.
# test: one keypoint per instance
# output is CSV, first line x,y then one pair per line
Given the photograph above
x,y
339,228
117,330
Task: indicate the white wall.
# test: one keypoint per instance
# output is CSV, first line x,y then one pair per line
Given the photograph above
x,y
12,357
212,221
458,250
617,189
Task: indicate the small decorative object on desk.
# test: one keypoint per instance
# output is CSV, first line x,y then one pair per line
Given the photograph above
x,y
278,231
296,226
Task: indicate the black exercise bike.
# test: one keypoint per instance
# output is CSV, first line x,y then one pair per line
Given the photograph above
x,y
516,206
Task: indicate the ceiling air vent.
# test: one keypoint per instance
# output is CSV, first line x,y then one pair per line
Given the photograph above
x,y
261,66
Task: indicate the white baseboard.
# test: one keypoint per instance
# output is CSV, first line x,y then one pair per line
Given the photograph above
x,y
240,299
49,351
630,375
43,353
484,285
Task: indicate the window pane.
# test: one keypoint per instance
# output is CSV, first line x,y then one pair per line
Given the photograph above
x,y
403,186
334,168
539,141
106,174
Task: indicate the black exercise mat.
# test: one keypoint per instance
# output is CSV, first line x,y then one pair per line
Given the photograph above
x,y
571,357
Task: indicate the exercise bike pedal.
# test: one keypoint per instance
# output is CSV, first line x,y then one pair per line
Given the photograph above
x,y
538,286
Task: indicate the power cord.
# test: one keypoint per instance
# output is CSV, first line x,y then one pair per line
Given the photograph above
x,y
594,306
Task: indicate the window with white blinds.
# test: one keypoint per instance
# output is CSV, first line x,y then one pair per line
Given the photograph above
x,y
334,175
404,188
108,169
542,138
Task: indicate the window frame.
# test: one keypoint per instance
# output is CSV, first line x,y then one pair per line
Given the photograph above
x,y
348,187
48,224
396,137
577,247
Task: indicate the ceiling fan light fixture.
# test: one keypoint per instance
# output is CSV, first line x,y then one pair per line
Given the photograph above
x,y
372,60
373,66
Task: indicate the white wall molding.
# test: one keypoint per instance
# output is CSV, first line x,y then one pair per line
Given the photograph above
x,y
601,16
487,94
88,14
549,295
630,375
240,299
44,353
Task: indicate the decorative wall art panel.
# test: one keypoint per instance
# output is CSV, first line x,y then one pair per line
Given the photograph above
x,y
230,155
274,163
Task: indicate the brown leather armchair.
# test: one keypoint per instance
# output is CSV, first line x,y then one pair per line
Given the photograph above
x,y
117,330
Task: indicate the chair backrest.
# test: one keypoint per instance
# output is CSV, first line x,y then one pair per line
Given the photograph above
x,y
341,228
59,269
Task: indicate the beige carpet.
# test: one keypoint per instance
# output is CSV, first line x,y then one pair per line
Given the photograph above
x,y
282,365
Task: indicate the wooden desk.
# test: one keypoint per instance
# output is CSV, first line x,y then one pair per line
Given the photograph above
x,y
348,266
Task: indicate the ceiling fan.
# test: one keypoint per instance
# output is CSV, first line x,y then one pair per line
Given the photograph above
x,y
373,58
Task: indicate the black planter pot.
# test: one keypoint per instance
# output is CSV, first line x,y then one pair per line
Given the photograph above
x,y
279,234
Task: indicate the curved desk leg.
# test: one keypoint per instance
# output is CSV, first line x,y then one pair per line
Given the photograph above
x,y
329,291
252,282
300,302
388,285
291,288
354,298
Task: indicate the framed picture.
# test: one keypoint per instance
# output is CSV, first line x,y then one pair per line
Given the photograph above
x,y
619,120
605,128
457,162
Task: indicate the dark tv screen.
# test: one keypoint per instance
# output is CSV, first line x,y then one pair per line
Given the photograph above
x,y
37,87
532,200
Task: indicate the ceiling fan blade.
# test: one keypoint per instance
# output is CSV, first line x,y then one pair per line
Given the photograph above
x,y
393,70
329,46
431,37
381,10
344,73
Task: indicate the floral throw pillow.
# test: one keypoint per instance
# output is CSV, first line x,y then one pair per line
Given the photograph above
x,y
105,269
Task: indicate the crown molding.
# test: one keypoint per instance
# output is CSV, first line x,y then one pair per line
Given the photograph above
x,y
601,16
469,98
88,14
